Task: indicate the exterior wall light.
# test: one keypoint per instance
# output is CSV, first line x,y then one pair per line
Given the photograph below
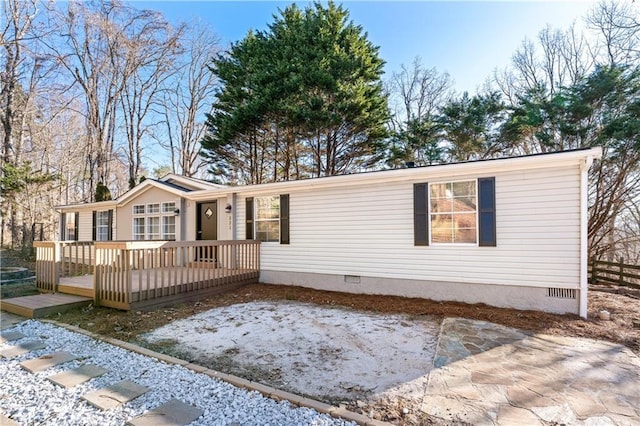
x,y
228,208
176,212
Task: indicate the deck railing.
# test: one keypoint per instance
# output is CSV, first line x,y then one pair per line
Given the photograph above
x,y
55,259
141,272
127,273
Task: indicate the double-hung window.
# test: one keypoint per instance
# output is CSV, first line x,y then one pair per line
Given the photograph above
x,y
455,212
155,221
267,218
70,226
103,223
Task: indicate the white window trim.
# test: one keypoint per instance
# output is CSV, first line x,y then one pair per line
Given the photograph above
x,y
256,220
99,226
431,242
67,228
160,214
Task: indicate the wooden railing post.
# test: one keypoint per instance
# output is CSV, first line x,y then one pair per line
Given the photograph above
x,y
97,275
127,259
57,248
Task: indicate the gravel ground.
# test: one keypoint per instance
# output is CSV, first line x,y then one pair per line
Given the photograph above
x,y
30,399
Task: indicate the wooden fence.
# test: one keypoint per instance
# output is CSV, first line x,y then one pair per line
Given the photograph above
x,y
616,273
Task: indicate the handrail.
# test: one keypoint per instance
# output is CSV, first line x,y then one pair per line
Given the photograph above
x,y
55,259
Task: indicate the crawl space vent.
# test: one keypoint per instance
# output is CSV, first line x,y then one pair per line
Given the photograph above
x,y
352,279
561,293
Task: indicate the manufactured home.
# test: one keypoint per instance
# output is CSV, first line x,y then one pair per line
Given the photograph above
x,y
506,232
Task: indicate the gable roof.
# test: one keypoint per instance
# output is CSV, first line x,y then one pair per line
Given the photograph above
x,y
197,189
172,183
541,160
189,182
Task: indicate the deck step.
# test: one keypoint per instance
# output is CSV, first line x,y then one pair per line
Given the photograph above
x,y
42,305
115,395
47,361
71,378
171,413
75,290
21,349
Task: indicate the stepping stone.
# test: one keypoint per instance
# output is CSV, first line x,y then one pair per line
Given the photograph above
x,y
10,335
14,351
47,361
115,395
6,421
171,413
74,377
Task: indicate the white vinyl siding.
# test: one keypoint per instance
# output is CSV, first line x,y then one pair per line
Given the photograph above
x,y
85,226
367,230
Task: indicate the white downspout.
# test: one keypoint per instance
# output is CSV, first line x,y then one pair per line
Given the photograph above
x,y
584,230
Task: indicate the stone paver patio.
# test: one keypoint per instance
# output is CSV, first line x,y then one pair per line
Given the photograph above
x,y
490,374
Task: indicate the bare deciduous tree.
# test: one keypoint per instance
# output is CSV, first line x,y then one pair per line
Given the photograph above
x,y
16,30
419,90
187,97
556,59
150,48
618,26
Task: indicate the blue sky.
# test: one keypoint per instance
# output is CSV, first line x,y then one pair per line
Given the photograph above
x,y
468,39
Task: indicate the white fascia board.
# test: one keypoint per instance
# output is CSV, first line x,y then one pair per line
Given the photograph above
x,y
86,206
568,158
123,199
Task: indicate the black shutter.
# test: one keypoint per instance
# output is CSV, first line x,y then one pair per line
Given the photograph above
x,y
110,228
284,219
420,214
249,218
93,231
487,211
63,226
75,226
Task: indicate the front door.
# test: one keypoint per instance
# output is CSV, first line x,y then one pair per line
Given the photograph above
x,y
207,228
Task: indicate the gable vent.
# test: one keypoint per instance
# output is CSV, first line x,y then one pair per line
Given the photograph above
x,y
562,293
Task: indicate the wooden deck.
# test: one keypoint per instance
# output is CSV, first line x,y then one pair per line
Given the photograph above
x,y
41,305
137,275
150,285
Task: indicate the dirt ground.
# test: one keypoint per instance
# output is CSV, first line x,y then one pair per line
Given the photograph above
x,y
622,303
328,353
